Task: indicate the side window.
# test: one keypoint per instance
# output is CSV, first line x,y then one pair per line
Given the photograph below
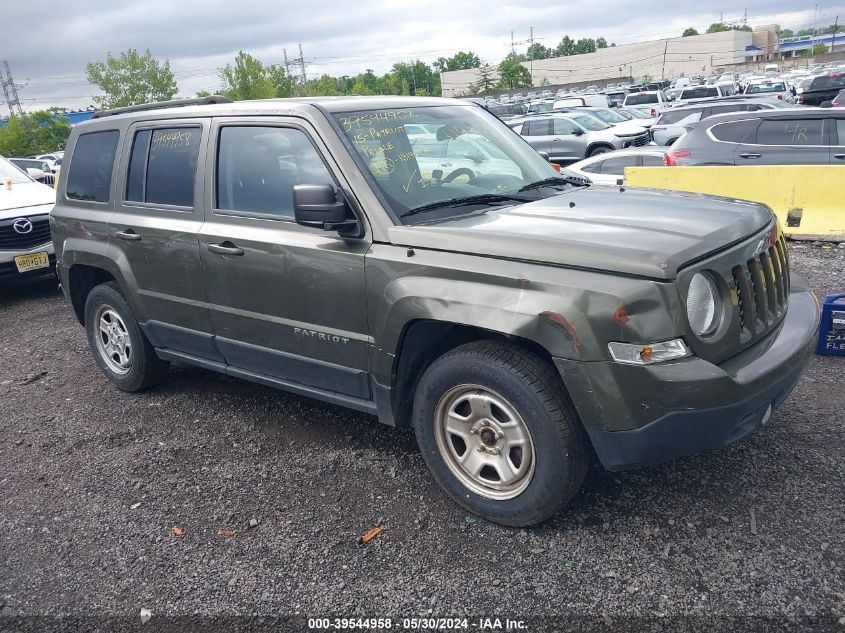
x,y
257,168
790,132
92,166
735,131
653,161
840,131
163,166
539,127
593,168
562,126
617,165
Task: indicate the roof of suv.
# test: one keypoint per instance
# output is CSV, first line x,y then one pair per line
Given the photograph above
x,y
764,114
279,106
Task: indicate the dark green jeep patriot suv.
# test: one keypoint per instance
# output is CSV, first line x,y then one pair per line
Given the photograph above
x,y
415,259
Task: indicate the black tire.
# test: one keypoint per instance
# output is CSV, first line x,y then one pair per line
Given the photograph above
x,y
599,150
671,142
145,368
535,391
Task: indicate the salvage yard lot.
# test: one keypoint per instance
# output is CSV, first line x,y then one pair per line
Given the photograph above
x,y
94,481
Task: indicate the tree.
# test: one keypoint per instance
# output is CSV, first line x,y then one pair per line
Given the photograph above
x,y
601,43
690,31
537,51
718,27
282,82
131,79
485,81
512,74
35,133
458,61
325,86
566,47
247,79
818,49
585,45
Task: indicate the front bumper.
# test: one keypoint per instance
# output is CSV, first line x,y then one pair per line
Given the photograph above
x,y
641,415
9,271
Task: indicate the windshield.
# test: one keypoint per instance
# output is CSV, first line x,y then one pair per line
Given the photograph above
x,y
761,88
609,116
700,93
640,99
588,121
465,153
639,114
8,170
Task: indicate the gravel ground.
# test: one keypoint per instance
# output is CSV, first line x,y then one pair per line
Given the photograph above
x,y
95,482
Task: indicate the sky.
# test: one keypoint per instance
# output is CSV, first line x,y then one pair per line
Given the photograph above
x,y
47,47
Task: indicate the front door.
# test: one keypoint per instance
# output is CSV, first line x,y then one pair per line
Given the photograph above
x,y
153,233
287,302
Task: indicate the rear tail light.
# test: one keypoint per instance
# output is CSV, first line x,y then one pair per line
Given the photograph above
x,y
670,159
780,97
654,112
801,99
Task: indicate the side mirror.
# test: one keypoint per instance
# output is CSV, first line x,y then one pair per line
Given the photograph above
x,y
826,104
577,132
322,207
545,155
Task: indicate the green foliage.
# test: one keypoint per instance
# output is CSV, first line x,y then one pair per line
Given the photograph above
x,y
719,27
537,51
566,47
486,82
818,49
247,79
35,133
601,43
512,74
586,45
459,61
130,79
688,32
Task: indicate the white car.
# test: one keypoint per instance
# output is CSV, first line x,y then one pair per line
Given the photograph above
x,y
467,157
768,88
609,168
26,248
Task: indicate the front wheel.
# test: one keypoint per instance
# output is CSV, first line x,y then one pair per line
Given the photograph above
x,y
498,433
598,150
119,346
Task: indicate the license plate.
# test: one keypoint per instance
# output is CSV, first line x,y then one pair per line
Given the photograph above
x,y
33,261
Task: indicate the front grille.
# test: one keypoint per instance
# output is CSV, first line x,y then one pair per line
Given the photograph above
x,y
11,240
48,179
762,288
639,141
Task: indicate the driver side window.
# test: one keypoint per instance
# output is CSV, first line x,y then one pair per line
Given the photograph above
x,y
562,126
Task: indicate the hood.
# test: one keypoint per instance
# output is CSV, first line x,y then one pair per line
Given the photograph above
x,y
25,198
644,232
629,127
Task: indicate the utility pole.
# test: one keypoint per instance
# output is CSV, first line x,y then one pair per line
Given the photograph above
x,y
513,50
531,54
665,49
10,91
287,66
302,66
833,39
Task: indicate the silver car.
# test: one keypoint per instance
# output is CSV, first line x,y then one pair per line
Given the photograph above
x,y
671,125
571,137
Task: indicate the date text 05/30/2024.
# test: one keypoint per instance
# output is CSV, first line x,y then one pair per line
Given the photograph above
x,y
418,624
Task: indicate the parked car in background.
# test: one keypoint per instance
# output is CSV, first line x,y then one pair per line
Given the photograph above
x,y
769,88
821,88
672,94
671,124
609,168
26,249
38,170
638,112
592,100
571,137
54,160
507,111
655,99
784,136
621,124
616,97
467,157
839,100
700,92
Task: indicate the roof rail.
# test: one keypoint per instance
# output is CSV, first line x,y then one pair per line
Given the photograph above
x,y
158,105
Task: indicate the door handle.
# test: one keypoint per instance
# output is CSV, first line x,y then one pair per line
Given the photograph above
x,y
839,156
129,235
557,139
750,155
226,248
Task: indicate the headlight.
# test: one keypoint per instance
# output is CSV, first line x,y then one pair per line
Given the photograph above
x,y
703,305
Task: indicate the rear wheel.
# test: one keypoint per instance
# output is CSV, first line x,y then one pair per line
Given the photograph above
x,y
499,434
119,346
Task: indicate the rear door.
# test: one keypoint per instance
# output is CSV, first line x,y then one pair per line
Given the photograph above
x,y
792,140
153,232
538,133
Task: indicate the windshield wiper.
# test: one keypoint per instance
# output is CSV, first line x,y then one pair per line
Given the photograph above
x,y
484,198
557,180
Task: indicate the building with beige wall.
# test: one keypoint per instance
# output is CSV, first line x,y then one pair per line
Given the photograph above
x,y
668,58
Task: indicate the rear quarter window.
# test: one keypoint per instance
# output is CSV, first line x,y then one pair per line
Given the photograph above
x,y
675,116
92,166
734,131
